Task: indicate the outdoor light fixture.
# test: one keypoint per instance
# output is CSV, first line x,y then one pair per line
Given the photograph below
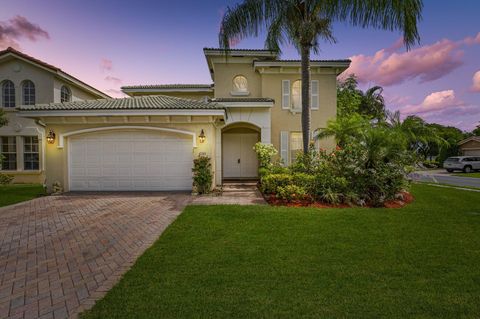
x,y
202,137
51,137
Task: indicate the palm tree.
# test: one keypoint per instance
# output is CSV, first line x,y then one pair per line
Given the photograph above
x,y
419,135
372,103
303,23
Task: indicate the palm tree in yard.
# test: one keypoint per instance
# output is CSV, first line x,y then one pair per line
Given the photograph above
x,y
303,23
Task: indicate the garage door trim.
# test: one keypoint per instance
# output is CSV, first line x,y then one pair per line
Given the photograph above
x,y
62,136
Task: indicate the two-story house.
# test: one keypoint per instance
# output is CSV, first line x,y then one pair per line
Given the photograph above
x,y
148,141
26,81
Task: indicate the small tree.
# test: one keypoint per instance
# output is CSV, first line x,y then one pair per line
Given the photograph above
x,y
202,174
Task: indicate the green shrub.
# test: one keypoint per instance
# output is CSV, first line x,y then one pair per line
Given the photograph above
x,y
202,174
5,179
306,181
265,153
431,164
292,193
271,182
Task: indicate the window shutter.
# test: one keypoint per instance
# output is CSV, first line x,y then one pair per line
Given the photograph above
x,y
284,147
286,94
314,101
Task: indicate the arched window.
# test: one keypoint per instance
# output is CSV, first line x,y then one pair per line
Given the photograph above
x,y
8,94
297,94
240,84
65,94
28,93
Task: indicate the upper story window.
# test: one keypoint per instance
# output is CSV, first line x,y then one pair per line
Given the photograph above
x,y
297,94
292,95
28,93
240,85
8,93
65,94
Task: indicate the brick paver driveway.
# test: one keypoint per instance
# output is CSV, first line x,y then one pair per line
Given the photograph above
x,y
59,254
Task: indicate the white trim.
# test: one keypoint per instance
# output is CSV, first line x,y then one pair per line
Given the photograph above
x,y
62,136
284,147
314,97
69,113
233,52
332,64
286,94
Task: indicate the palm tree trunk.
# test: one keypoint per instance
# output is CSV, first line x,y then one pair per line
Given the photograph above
x,y
306,112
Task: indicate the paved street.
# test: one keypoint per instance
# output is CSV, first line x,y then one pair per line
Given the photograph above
x,y
443,177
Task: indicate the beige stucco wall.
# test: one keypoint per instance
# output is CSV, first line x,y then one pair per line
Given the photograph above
x,y
77,93
285,120
225,71
267,83
57,158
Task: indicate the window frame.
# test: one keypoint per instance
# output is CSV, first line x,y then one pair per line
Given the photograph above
x,y
63,93
239,92
8,153
31,94
293,107
11,92
33,142
293,153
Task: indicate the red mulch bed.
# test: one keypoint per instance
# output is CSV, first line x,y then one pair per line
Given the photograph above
x,y
274,201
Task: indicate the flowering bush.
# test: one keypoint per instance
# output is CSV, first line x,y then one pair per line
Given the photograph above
x,y
369,170
265,154
292,193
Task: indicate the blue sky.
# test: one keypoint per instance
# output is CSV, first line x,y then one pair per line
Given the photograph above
x,y
113,43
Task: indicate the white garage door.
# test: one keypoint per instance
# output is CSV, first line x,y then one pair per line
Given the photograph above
x,y
130,161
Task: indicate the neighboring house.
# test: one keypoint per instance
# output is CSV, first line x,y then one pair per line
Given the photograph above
x,y
26,81
148,141
470,146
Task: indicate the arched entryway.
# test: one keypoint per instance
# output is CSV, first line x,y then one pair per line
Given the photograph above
x,y
239,160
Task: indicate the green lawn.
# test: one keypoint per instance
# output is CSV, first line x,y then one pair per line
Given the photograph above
x,y
421,261
477,174
11,194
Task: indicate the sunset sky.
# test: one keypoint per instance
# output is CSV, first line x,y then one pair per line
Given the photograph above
x,y
113,43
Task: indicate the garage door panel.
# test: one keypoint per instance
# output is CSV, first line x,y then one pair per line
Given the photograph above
x,y
130,161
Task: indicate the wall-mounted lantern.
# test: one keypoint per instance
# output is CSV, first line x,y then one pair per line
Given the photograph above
x,y
51,137
202,137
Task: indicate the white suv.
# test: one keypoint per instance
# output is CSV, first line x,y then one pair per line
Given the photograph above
x,y
462,163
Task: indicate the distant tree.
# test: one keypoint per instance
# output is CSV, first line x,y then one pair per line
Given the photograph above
x,y
476,131
420,136
452,136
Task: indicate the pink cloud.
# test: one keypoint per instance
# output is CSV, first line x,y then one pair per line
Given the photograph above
x,y
476,82
115,93
436,101
388,67
391,66
472,40
106,64
114,80
19,27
